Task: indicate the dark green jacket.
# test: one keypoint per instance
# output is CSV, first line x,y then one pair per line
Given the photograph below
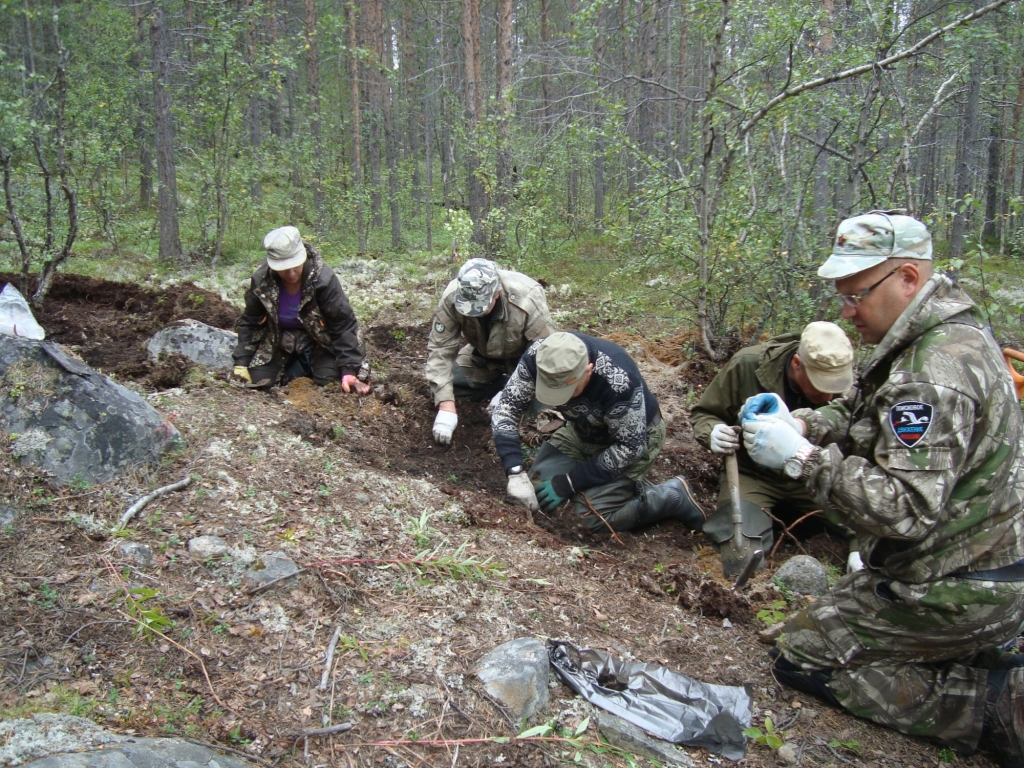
x,y
751,371
324,312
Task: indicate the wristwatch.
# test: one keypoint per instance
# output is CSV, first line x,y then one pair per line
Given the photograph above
x,y
798,466
518,468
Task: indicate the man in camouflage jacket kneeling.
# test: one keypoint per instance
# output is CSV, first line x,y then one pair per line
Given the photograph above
x,y
923,460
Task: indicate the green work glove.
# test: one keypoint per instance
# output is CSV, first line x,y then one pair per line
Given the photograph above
x,y
548,498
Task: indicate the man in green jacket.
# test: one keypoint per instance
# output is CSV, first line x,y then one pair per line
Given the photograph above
x,y
805,370
924,460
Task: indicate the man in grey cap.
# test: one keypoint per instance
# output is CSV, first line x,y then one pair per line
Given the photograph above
x,y
924,460
485,319
612,436
805,370
297,320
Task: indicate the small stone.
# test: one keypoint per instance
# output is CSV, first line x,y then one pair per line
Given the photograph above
x,y
628,737
272,567
202,547
138,553
362,498
516,674
788,754
804,575
7,515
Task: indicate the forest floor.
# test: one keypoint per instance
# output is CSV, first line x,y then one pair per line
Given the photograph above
x,y
353,489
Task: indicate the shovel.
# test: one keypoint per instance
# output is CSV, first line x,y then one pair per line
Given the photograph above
x,y
738,552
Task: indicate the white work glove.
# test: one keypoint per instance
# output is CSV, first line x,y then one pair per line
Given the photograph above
x,y
770,441
854,562
520,490
724,440
493,404
444,425
768,404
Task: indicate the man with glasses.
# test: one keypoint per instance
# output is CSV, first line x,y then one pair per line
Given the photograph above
x,y
806,370
923,460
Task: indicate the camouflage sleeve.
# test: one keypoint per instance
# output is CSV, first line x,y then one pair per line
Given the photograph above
x,y
442,349
827,424
921,433
627,427
539,325
254,315
515,399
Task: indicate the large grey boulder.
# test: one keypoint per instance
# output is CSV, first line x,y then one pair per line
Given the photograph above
x,y
803,575
516,674
203,344
71,420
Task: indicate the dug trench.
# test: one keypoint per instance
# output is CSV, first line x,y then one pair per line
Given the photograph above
x,y
411,559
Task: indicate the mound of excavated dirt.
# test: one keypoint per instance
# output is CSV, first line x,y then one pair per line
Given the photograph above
x,y
108,324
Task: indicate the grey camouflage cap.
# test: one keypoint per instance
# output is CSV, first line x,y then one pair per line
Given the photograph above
x,y
478,282
869,239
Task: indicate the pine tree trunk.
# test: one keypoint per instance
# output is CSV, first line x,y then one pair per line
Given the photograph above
x,y
313,75
357,127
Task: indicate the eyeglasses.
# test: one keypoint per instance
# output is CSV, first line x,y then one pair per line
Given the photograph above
x,y
854,299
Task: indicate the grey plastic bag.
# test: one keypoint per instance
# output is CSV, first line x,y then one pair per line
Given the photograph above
x,y
669,705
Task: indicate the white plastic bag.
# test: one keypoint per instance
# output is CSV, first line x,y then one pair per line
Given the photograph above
x,y
16,318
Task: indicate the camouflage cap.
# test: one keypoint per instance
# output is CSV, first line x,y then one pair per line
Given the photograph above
x,y
478,282
869,239
827,357
561,360
284,248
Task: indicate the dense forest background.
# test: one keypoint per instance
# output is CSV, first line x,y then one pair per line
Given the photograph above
x,y
709,147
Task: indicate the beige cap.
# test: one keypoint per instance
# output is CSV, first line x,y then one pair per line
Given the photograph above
x,y
827,356
284,248
561,360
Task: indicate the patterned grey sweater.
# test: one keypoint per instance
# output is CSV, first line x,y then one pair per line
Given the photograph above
x,y
612,411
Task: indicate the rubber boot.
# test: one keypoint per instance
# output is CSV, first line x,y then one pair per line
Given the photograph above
x,y
1003,732
813,682
671,500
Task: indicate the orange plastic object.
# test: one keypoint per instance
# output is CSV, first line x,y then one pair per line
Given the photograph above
x,y
1018,379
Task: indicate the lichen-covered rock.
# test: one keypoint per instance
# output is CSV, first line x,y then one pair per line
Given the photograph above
x,y
516,674
804,575
71,420
203,344
270,567
202,547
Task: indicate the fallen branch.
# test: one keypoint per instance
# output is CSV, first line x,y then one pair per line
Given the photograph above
x,y
601,518
330,658
331,729
135,508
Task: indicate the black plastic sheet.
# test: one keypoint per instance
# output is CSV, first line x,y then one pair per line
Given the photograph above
x,y
669,705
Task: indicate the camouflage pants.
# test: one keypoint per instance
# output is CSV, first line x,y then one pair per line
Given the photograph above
x,y
318,364
913,657
567,449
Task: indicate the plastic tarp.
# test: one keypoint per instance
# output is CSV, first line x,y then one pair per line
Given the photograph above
x,y
669,705
16,318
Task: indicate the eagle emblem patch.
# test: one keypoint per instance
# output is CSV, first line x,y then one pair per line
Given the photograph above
x,y
910,421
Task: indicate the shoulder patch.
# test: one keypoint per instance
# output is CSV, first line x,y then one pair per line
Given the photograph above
x,y
910,421
439,327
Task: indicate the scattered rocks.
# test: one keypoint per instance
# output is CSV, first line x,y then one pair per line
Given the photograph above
x,y
203,344
71,420
788,754
803,575
274,566
7,515
202,547
138,553
516,674
630,738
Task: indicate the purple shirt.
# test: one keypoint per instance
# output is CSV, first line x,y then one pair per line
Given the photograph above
x,y
288,310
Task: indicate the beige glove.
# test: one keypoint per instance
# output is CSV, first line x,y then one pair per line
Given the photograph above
x,y
243,373
520,490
